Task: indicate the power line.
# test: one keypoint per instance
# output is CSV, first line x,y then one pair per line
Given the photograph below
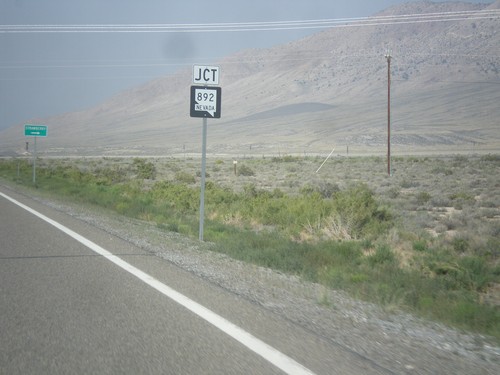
x,y
306,55
257,26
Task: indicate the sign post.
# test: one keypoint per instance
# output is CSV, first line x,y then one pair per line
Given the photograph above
x,y
34,164
205,103
35,131
203,174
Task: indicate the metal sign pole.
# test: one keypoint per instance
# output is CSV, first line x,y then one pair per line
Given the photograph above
x,y
34,164
388,57
203,169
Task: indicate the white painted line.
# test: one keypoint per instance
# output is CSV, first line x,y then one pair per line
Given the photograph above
x,y
280,360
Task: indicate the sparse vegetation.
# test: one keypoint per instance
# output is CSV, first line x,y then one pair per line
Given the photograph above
x,y
145,170
245,170
422,240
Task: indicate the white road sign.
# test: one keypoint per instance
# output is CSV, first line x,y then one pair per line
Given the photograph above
x,y
205,75
205,100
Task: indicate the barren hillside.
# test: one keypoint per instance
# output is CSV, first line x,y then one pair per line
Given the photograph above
x,y
327,90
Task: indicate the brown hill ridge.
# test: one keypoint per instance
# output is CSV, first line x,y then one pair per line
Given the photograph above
x,y
326,90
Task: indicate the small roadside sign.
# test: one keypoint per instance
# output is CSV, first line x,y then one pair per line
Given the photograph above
x,y
205,75
35,130
206,101
31,130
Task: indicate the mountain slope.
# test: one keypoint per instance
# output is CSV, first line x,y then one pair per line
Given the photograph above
x,y
329,89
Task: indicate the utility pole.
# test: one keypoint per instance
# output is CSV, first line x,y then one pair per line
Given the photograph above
x,y
388,57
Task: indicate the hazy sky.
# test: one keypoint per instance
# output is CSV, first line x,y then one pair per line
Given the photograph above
x,y
49,73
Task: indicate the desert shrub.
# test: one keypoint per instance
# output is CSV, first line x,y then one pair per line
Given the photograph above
x,y
407,184
198,174
460,245
307,189
491,158
442,169
144,169
357,207
459,160
110,175
180,197
250,191
217,196
185,178
286,159
174,167
462,197
383,255
393,192
454,221
349,214
245,170
440,201
325,188
334,228
420,245
423,197
475,273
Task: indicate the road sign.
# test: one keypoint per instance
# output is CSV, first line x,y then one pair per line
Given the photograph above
x,y
205,75
205,101
35,130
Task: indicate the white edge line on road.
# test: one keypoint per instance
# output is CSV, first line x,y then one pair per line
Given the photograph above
x,y
280,360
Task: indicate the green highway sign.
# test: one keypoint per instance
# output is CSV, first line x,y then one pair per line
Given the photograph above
x,y
35,130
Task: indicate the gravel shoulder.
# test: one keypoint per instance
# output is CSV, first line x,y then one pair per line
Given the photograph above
x,y
396,341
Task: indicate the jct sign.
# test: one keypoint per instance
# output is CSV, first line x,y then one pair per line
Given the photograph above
x,y
205,75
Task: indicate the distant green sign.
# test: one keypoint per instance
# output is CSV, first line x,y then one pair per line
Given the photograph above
x,y
35,130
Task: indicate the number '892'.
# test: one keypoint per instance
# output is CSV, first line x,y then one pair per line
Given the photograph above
x,y
205,96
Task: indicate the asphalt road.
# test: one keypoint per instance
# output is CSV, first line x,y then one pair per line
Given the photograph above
x,y
65,308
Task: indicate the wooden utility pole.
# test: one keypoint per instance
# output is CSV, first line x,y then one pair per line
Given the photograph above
x,y
388,57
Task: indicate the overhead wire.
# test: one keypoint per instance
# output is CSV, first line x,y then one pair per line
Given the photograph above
x,y
257,26
303,56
